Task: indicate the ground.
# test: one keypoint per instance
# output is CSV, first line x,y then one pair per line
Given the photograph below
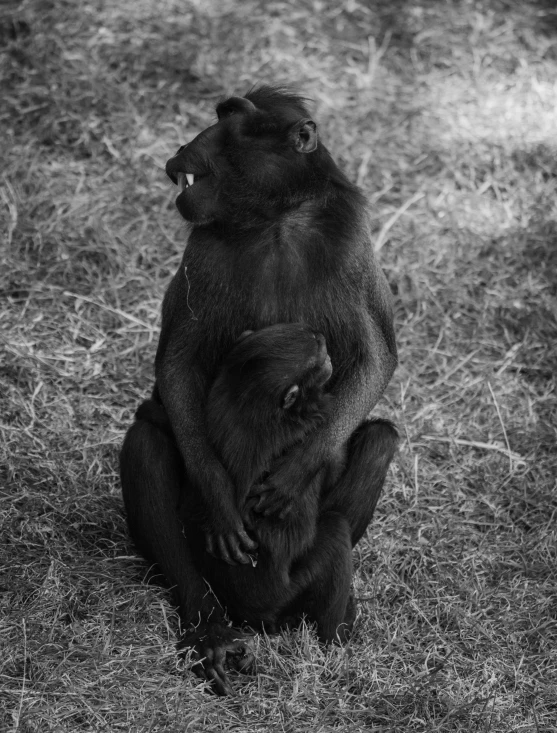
x,y
445,113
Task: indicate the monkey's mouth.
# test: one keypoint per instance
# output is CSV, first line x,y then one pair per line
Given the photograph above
x,y
185,180
179,175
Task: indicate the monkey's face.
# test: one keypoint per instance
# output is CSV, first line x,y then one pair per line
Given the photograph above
x,y
285,367
311,375
251,164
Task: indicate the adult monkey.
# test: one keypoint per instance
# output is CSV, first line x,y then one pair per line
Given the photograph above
x,y
279,236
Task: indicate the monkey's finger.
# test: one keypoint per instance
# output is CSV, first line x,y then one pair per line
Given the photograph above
x,y
218,664
223,553
247,542
199,670
236,552
247,518
250,501
264,488
220,658
284,511
275,511
219,680
280,509
210,544
261,503
199,667
273,505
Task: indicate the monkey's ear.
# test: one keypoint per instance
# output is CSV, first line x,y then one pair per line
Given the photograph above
x,y
303,136
243,335
290,397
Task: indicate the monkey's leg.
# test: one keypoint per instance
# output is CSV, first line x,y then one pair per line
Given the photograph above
x,y
153,485
355,495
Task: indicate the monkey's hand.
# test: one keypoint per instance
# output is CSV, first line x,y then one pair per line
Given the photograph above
x,y
289,476
212,645
222,524
231,543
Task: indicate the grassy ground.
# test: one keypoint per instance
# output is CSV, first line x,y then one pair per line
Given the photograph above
x,y
445,112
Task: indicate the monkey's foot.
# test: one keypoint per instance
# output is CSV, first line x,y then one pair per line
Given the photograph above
x,y
215,647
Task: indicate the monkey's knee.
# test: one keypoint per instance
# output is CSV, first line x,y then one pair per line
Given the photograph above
x,y
370,452
147,450
151,474
374,442
153,412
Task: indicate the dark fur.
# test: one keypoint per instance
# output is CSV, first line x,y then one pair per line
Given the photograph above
x,y
247,421
279,235
250,427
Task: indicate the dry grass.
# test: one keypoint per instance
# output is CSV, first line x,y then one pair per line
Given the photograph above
x,y
449,105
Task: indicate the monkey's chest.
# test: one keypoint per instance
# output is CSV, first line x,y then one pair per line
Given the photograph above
x,y
286,289
257,288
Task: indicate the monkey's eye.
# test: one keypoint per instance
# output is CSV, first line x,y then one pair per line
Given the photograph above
x,y
226,112
290,397
233,105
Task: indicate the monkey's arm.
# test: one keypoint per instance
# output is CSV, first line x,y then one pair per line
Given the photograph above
x,y
181,386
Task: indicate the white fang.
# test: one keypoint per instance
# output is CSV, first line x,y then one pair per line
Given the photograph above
x,y
189,177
